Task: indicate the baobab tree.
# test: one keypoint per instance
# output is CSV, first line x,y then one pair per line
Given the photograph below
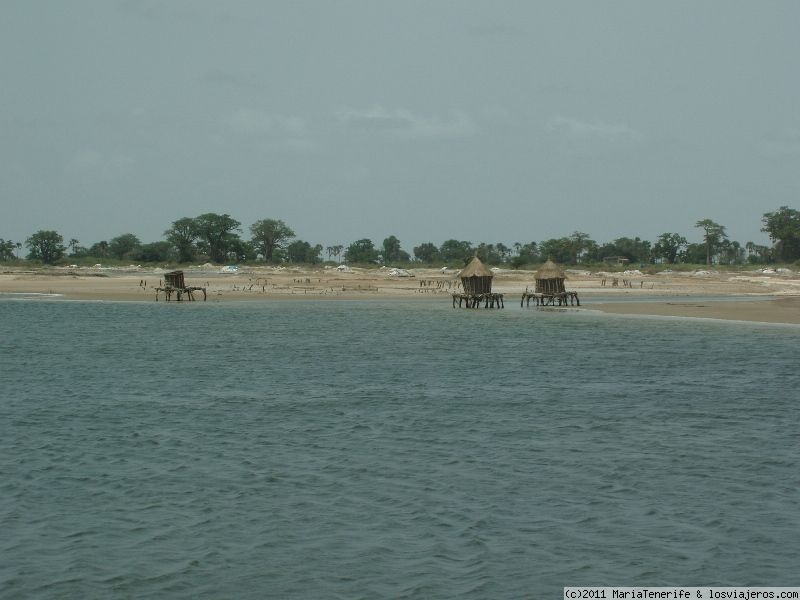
x,y
714,235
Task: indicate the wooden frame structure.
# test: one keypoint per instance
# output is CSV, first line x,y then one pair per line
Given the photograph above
x,y
476,281
549,289
174,283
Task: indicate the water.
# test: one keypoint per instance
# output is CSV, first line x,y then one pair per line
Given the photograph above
x,y
389,450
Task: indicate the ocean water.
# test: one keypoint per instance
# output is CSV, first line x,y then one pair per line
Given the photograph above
x,y
390,450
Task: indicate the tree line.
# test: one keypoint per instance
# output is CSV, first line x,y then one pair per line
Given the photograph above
x,y
218,238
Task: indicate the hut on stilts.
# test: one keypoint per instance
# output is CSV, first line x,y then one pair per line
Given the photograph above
x,y
549,288
476,283
174,283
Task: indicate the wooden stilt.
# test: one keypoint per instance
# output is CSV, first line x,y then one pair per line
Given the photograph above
x,y
179,293
488,300
550,299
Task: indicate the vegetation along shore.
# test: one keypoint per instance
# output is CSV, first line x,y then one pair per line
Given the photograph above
x,y
626,275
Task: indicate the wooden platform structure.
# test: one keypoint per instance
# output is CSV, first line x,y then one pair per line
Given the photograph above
x,y
475,300
562,299
174,284
476,282
549,289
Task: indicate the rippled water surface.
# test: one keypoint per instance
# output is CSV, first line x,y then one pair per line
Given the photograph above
x,y
390,450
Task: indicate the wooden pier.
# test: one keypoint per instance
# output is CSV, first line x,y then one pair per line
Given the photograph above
x,y
174,284
489,300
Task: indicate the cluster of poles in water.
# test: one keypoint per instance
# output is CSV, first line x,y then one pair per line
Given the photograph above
x,y
493,300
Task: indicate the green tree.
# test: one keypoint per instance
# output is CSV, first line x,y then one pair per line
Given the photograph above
x,y
391,250
334,251
216,235
124,246
427,253
361,251
757,254
731,253
503,250
489,254
525,254
454,251
99,249
7,250
240,250
182,235
303,252
713,236
73,245
270,235
695,254
668,246
635,250
46,245
561,250
581,245
156,252
783,227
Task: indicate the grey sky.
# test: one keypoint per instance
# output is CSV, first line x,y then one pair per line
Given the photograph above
x,y
484,121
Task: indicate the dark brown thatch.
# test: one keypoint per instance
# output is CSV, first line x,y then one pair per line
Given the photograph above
x,y
476,277
549,279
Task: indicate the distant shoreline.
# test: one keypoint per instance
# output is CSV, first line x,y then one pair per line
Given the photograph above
x,y
775,297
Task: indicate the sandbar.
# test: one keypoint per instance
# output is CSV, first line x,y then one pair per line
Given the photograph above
x,y
746,295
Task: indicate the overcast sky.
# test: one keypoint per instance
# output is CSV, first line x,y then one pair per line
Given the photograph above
x,y
491,121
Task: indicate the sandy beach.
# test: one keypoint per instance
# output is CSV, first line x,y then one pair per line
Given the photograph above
x,y
747,295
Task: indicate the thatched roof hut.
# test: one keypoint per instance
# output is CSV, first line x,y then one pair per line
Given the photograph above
x,y
476,277
550,279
